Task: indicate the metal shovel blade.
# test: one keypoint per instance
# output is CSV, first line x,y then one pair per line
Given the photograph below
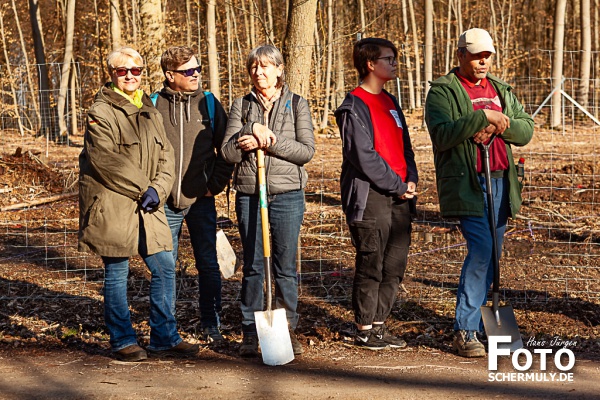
x,y
502,323
225,255
274,337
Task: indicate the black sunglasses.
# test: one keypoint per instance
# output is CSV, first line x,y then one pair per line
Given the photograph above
x,y
189,71
135,71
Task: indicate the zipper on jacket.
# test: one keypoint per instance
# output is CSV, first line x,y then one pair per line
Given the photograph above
x,y
180,152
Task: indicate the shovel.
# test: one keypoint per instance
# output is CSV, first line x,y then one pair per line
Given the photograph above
x,y
497,321
271,325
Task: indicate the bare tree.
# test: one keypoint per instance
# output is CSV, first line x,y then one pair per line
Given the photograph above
x,y
10,75
329,62
213,56
43,79
26,58
586,54
557,64
115,24
66,70
299,40
153,42
413,23
428,43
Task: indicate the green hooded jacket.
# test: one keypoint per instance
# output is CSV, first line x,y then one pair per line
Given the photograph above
x,y
452,123
125,151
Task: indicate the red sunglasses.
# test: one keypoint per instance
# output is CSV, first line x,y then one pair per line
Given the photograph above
x,y
122,71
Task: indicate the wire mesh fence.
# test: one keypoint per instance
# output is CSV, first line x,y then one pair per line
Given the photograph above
x,y
551,249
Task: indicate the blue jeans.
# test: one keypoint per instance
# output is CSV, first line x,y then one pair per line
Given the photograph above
x,y
286,212
163,333
478,268
201,220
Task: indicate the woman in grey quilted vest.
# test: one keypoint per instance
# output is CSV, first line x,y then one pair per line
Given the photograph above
x,y
273,119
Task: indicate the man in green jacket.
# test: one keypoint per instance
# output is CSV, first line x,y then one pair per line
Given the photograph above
x,y
463,109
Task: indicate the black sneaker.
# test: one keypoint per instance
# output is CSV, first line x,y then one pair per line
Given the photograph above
x,y
249,347
296,345
383,333
368,340
212,334
467,344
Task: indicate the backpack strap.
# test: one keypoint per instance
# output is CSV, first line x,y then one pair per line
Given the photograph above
x,y
154,97
210,104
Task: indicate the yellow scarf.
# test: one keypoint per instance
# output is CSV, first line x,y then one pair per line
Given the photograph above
x,y
136,100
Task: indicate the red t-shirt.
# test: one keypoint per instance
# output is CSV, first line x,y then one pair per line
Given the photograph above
x,y
387,129
484,96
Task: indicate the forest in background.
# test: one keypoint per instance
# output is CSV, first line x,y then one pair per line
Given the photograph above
x,y
53,51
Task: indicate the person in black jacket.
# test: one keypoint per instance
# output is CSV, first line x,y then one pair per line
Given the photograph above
x,y
200,174
378,181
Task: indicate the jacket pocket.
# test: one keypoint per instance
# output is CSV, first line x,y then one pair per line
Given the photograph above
x,y
365,236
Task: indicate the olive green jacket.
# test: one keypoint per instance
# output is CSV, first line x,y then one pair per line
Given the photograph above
x,y
125,151
452,123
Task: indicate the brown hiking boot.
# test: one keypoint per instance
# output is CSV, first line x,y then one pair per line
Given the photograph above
x,y
131,354
183,349
467,344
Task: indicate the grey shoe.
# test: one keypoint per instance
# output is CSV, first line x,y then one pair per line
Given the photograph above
x,y
212,334
369,340
383,333
467,344
249,347
296,345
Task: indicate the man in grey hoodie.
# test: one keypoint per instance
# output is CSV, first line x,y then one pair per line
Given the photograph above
x,y
196,135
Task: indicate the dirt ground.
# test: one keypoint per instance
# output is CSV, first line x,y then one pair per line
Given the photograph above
x,y
338,372
53,343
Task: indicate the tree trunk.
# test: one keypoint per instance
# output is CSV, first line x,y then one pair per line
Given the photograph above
x,y
329,62
115,24
46,128
152,40
188,23
270,33
415,35
229,52
586,54
66,70
298,44
361,12
409,71
428,44
10,75
213,56
557,64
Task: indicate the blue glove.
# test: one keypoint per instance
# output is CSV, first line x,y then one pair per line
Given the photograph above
x,y
149,199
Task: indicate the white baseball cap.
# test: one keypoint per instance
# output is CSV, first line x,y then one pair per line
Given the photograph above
x,y
476,41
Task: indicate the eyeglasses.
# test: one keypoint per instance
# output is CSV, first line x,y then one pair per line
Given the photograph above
x,y
391,59
122,71
190,71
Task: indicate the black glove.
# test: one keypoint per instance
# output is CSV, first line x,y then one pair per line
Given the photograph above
x,y
149,199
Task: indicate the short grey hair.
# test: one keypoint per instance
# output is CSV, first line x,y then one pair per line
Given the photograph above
x,y
268,53
117,57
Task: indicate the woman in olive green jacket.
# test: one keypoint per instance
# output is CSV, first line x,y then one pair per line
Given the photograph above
x,y
126,173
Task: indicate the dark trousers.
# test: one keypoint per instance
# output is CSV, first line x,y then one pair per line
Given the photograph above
x,y
381,240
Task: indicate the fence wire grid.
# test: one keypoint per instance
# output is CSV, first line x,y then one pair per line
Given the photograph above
x,y
551,249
